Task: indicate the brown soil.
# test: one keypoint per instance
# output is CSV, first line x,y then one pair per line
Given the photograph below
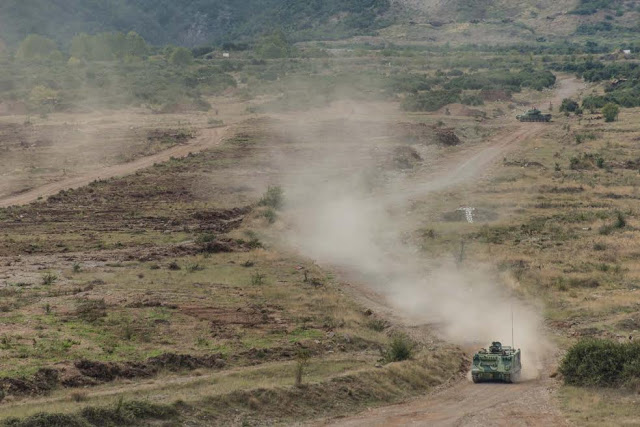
x,y
207,139
425,134
90,373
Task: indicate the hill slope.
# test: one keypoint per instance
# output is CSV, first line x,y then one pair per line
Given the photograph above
x,y
511,21
189,22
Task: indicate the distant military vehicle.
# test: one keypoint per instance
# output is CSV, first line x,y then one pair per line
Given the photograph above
x,y
498,364
534,115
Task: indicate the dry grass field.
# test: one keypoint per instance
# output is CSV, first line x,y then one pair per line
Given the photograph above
x,y
171,293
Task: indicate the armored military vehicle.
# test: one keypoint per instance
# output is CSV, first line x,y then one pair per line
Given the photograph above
x,y
500,363
534,115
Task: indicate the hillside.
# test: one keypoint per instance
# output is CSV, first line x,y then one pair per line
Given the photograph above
x,y
199,22
189,22
508,22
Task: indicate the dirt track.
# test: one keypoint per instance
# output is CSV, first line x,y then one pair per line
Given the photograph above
x,y
529,403
208,138
524,404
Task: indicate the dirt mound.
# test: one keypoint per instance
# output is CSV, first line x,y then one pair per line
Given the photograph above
x,y
104,372
109,371
630,323
221,221
42,382
405,157
460,110
422,133
447,136
174,362
145,303
85,373
171,136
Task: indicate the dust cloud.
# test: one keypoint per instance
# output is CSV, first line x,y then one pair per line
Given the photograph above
x,y
345,208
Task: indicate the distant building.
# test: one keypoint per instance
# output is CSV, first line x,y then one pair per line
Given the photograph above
x,y
226,55
626,51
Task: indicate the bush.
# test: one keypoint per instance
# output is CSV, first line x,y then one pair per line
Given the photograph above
x,y
621,221
602,363
569,105
430,101
400,348
181,56
610,112
377,325
49,279
258,279
273,198
472,100
270,215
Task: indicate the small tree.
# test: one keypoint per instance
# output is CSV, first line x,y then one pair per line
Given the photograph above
x,y
43,99
273,198
274,45
400,348
610,112
181,56
36,47
569,105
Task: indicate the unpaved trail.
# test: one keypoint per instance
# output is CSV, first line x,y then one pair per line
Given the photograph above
x,y
474,163
528,403
208,138
523,404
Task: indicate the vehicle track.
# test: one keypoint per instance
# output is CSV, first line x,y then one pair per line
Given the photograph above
x,y
528,403
208,138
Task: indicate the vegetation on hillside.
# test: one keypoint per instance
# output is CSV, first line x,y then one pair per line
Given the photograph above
x,y
452,88
623,87
107,69
191,22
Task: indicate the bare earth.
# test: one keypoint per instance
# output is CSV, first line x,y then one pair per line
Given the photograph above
x,y
208,138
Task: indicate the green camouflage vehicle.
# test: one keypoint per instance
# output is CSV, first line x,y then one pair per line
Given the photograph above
x,y
498,364
534,116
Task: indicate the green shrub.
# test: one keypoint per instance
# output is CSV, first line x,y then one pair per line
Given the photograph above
x,y
569,105
621,221
273,198
270,215
472,100
181,56
400,348
610,112
49,279
258,279
601,363
377,325
430,101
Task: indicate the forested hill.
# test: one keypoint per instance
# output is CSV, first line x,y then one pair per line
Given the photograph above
x,y
190,22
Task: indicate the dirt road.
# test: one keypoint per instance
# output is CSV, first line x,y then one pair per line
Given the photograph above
x,y
529,403
206,139
470,405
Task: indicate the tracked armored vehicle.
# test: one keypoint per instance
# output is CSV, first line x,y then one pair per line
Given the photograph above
x,y
534,115
500,364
